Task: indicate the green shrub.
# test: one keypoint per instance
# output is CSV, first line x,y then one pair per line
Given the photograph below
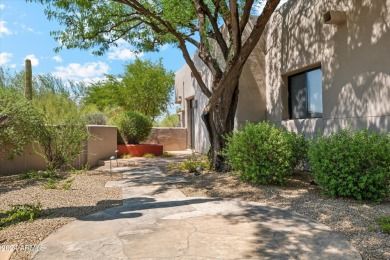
x,y
134,127
352,164
62,143
263,153
19,213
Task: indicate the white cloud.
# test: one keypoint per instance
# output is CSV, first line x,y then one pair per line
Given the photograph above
x,y
88,72
122,52
29,29
5,57
57,58
2,6
24,27
34,60
3,29
164,47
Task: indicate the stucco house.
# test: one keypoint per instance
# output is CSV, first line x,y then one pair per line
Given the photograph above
x,y
320,64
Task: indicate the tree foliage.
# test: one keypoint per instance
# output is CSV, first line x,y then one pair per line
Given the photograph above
x,y
19,123
169,121
217,28
145,87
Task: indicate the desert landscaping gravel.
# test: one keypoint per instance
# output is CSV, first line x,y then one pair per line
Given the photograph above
x,y
86,195
355,220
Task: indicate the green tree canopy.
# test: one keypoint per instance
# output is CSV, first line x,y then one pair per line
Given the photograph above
x,y
145,87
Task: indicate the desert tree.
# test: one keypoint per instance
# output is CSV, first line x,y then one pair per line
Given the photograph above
x,y
217,28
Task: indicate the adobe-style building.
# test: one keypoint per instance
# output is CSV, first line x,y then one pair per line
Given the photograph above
x,y
320,64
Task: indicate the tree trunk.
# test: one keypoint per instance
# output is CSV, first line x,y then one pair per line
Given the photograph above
x,y
28,80
219,122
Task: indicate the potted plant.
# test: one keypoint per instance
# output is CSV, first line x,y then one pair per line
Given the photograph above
x,y
134,128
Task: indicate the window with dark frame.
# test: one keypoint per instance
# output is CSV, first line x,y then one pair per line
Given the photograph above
x,y
305,94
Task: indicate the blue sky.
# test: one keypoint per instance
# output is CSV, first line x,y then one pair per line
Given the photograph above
x,y
25,33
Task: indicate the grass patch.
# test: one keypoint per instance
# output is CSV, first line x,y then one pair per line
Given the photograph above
x,y
81,171
193,162
166,154
172,166
20,213
384,224
126,156
51,184
149,155
35,175
67,184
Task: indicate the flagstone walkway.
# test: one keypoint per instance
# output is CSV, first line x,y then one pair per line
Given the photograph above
x,y
157,221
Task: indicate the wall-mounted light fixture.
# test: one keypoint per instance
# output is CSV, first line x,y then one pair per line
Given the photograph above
x,y
334,17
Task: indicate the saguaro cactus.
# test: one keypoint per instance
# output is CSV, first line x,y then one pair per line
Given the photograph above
x,y
28,80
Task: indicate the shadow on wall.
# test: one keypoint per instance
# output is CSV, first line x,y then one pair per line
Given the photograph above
x,y
202,142
353,57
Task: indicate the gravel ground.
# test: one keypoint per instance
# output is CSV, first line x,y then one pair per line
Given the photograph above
x,y
86,195
354,220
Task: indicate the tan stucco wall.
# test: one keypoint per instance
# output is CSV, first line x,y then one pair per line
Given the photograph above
x,y
27,160
354,56
251,102
172,138
101,145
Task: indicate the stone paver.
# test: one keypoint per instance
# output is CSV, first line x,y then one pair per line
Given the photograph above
x,y
158,222
6,253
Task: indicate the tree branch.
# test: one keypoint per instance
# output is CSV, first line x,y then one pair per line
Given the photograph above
x,y
247,49
246,14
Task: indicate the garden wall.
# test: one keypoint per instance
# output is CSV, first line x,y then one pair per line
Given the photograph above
x,y
101,145
172,138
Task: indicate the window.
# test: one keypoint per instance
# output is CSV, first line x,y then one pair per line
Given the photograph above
x,y
305,94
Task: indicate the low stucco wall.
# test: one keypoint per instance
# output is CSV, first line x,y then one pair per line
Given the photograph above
x,y
27,160
173,139
101,145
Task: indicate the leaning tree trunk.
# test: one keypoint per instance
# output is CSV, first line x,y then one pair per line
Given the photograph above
x,y
219,122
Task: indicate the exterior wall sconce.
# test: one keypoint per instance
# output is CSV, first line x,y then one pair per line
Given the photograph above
x,y
334,17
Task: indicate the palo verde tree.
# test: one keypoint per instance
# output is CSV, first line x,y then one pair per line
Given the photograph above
x,y
145,87
215,27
